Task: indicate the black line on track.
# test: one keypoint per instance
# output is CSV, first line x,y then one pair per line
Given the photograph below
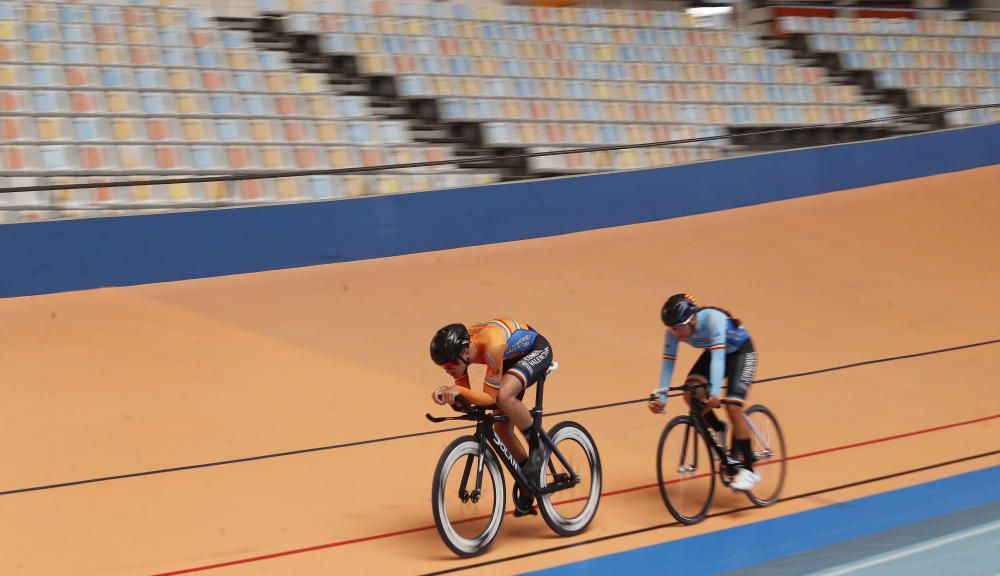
x,y
713,515
454,429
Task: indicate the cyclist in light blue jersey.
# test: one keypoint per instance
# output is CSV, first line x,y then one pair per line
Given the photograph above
x,y
728,353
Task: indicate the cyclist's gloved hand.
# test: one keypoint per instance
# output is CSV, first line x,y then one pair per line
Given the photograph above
x,y
713,402
444,395
657,406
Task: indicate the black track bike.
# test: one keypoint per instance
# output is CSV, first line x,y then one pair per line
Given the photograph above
x,y
688,459
469,488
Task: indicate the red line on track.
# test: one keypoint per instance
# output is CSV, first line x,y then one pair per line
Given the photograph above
x,y
603,494
296,551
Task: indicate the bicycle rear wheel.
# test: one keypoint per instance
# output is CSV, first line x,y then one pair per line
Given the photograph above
x,y
569,511
468,522
768,445
684,470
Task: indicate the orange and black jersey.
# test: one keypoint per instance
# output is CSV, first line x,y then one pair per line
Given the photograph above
x,y
497,341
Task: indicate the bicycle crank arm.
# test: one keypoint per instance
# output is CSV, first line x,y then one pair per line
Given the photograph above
x,y
557,487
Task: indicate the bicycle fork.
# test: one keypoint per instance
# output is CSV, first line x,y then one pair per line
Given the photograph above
x,y
463,492
690,437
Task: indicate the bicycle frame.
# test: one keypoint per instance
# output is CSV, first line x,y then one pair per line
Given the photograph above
x,y
490,440
697,407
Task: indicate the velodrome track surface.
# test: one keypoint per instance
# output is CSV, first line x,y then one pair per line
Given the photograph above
x,y
116,381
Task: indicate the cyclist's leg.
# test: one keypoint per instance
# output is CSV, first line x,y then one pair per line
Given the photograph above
x,y
516,379
517,416
699,375
740,368
520,375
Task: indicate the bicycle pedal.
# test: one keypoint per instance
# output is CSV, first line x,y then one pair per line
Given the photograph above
x,y
519,512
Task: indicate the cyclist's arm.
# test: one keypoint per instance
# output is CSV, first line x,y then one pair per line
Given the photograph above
x,y
716,324
667,367
494,367
463,381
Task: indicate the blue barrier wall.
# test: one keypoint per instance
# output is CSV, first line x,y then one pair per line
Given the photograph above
x,y
57,256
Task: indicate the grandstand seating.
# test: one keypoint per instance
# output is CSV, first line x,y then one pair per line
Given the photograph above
x,y
101,90
937,62
95,91
572,77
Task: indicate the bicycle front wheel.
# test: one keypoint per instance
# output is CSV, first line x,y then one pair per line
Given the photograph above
x,y
768,444
684,470
569,511
468,521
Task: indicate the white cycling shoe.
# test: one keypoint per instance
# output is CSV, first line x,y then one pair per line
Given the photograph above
x,y
744,480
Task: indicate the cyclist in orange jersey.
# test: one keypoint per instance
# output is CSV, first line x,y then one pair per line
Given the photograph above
x,y
515,356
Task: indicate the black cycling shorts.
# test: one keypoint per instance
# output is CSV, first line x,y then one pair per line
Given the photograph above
x,y
530,367
739,371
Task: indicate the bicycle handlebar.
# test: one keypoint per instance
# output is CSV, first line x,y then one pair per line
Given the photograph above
x,y
469,411
678,389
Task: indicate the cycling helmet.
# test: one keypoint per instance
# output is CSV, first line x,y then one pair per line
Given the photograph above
x,y
448,343
678,309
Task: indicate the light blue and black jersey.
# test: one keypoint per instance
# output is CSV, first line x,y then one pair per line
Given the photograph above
x,y
716,333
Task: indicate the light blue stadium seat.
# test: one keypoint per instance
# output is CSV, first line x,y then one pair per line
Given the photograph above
x,y
728,93
320,186
236,40
335,43
171,36
228,130
452,108
503,49
485,109
360,133
408,85
39,31
45,75
245,81
46,101
105,15
496,87
392,132
87,129
256,105
221,104
8,10
298,23
153,102
436,10
273,60
55,157
77,54
114,77
198,18
203,57
148,78
205,157
70,13
491,31
422,45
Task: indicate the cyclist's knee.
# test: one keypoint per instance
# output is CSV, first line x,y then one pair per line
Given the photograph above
x,y
509,390
734,409
695,380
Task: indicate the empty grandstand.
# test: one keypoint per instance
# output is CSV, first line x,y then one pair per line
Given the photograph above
x,y
101,91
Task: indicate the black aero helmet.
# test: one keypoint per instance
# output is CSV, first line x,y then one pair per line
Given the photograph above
x,y
678,309
448,343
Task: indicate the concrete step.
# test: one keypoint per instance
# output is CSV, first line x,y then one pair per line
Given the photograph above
x,y
440,140
237,23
